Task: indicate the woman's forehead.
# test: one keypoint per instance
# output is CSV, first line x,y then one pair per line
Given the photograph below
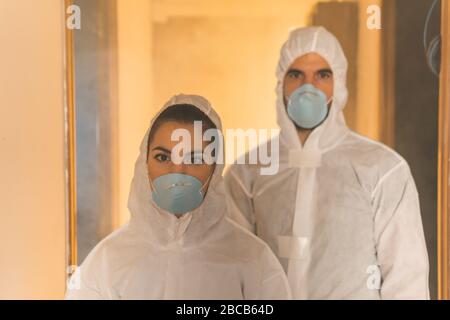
x,y
170,133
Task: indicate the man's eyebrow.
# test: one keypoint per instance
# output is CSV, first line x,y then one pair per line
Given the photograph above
x,y
325,70
161,149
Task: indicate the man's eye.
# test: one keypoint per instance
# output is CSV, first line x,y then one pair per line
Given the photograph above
x,y
162,157
324,75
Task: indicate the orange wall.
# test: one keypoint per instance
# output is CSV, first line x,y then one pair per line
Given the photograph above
x,y
369,76
227,50
134,37
32,206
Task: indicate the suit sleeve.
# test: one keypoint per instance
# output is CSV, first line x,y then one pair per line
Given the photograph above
x,y
275,285
238,184
87,282
80,289
400,242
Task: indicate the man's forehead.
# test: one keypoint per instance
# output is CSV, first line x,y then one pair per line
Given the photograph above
x,y
310,60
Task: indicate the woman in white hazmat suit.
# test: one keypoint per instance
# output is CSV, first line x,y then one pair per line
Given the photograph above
x,y
342,213
165,254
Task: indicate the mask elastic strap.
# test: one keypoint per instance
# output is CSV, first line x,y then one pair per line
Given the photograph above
x,y
330,100
206,182
152,186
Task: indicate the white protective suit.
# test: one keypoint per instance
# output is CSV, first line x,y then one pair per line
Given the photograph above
x,y
342,211
202,255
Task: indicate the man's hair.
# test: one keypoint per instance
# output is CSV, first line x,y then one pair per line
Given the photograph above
x,y
183,113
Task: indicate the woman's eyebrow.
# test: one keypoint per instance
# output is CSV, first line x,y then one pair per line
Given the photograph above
x,y
161,149
294,70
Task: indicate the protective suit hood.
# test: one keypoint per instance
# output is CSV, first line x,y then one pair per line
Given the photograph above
x,y
300,42
157,224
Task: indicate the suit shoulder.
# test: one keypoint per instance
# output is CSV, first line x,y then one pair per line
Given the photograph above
x,y
369,152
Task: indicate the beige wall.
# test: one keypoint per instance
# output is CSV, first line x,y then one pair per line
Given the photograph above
x,y
32,207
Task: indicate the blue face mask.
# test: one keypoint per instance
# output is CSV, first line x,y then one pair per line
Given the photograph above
x,y
307,106
177,193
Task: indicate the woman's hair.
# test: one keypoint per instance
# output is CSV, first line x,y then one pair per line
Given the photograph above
x,y
183,113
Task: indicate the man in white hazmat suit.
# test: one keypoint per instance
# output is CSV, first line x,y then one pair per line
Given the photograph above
x,y
342,213
200,254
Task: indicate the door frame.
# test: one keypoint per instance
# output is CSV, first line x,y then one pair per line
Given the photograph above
x,y
444,157
70,148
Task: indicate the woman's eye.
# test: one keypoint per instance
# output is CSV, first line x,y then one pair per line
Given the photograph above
x,y
162,157
294,74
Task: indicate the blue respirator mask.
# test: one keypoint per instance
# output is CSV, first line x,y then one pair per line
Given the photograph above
x,y
177,193
308,106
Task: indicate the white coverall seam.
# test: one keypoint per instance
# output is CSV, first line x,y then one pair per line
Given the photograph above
x,y
378,144
247,193
386,175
